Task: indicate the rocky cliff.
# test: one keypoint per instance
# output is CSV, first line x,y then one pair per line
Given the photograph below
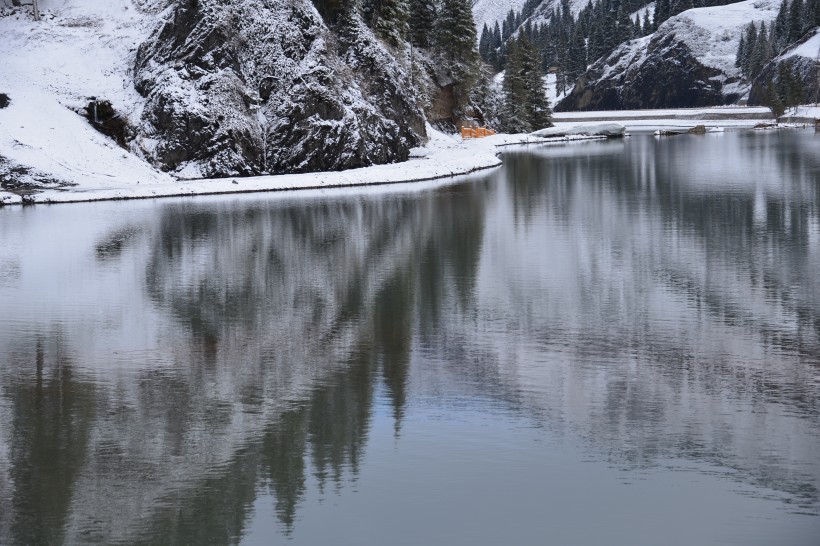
x,y
250,86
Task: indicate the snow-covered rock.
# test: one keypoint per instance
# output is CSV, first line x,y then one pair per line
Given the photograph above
x,y
253,86
201,88
689,61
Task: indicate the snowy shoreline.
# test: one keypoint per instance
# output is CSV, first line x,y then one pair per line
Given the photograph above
x,y
443,157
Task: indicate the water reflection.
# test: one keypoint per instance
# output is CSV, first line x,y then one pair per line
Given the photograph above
x,y
166,365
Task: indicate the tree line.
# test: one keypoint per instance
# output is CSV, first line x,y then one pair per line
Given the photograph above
x,y
444,30
569,43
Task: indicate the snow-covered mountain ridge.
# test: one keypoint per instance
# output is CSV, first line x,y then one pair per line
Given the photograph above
x,y
688,61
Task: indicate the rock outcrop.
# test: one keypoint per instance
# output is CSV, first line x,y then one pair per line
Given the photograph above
x,y
245,87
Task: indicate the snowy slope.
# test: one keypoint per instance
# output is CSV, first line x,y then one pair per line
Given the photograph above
x,y
51,68
809,49
713,33
489,11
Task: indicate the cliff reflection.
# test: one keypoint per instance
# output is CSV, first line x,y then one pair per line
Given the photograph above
x,y
654,306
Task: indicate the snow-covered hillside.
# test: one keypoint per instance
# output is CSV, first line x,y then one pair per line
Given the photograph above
x,y
491,11
689,61
198,88
801,62
50,70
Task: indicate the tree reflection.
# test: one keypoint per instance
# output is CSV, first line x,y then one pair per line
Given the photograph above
x,y
545,289
52,416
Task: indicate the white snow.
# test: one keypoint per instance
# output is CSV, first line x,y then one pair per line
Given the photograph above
x,y
37,131
491,11
641,13
810,48
736,117
444,156
604,129
713,33
50,69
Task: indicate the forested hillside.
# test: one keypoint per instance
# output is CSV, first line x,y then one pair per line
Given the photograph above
x,y
614,54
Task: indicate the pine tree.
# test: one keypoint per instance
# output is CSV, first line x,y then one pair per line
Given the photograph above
x,y
624,32
662,12
422,20
760,54
456,32
794,90
538,111
484,43
781,27
647,24
514,113
392,21
456,44
773,101
751,42
795,20
741,51
526,107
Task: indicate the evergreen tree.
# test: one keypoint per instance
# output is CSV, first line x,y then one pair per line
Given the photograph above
x,y
781,27
795,20
794,90
422,21
538,111
392,21
773,101
514,114
484,43
751,42
647,24
526,107
662,12
624,31
456,32
741,51
456,43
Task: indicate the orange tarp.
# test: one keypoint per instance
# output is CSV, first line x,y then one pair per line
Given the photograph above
x,y
476,132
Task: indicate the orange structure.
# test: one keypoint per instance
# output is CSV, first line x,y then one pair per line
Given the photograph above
x,y
476,132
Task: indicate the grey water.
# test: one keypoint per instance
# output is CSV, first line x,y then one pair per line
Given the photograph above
x,y
602,343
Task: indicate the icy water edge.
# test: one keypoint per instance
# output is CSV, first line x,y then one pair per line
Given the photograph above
x,y
604,343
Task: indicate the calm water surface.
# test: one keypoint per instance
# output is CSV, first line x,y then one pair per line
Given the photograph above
x,y
603,343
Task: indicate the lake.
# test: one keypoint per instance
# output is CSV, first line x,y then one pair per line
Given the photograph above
x,y
615,342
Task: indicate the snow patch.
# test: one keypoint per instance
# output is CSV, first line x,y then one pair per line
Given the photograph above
x,y
810,48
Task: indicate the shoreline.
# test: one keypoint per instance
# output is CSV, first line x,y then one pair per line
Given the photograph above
x,y
444,157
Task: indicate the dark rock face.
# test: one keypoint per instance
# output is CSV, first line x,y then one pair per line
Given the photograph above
x,y
662,73
104,118
241,87
4,100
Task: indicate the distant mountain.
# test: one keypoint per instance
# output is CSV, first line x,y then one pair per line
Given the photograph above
x,y
689,61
